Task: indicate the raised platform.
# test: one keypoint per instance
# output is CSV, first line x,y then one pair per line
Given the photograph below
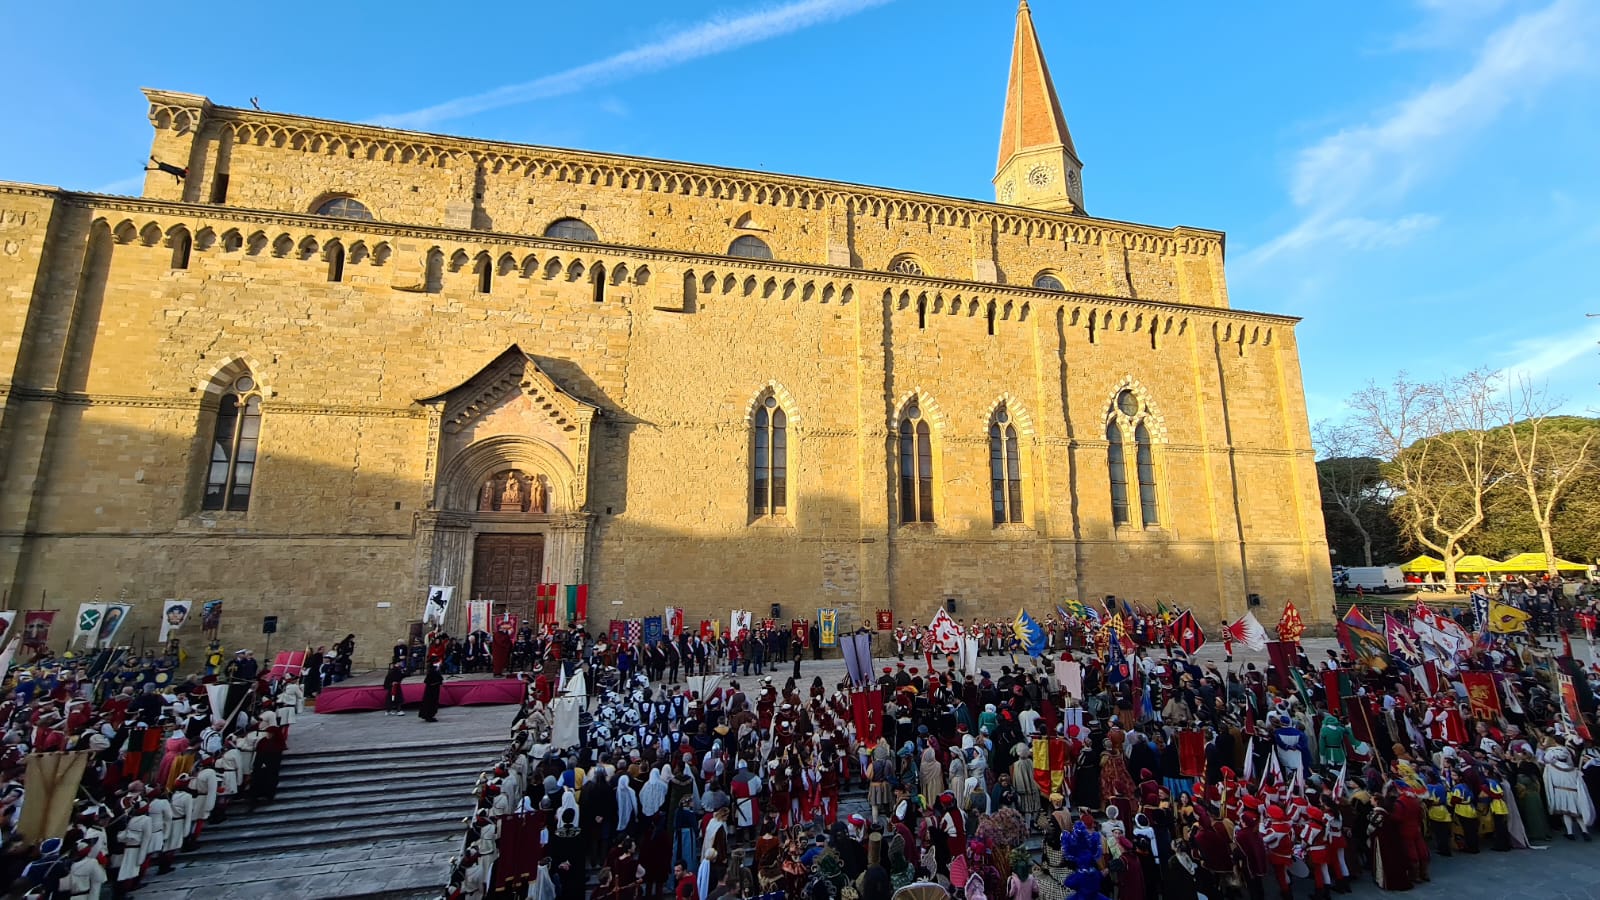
x,y
456,691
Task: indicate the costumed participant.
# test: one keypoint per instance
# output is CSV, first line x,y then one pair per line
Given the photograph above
x,y
1566,794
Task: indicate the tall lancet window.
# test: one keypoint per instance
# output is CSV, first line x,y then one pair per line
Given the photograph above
x,y
769,461
1005,469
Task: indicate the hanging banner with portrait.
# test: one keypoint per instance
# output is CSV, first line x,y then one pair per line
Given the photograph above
x,y
827,625
173,614
211,617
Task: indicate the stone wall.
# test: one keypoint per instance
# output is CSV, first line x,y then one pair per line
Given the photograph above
x,y
110,394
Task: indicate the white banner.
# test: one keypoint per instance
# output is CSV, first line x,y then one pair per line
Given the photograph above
x,y
89,616
738,623
943,633
438,603
111,622
173,614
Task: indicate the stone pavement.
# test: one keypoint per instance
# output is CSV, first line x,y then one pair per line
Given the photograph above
x,y
1562,870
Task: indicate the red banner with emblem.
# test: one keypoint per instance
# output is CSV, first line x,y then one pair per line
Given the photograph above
x,y
801,629
1569,700
1482,694
885,620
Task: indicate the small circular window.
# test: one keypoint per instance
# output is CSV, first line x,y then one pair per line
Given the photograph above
x,y
1003,417
245,384
1127,403
771,403
913,412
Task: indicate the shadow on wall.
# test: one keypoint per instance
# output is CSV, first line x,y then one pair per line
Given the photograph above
x,y
332,549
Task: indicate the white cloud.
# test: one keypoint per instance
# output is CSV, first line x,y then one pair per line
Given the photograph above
x,y
131,186
1377,163
1539,358
708,38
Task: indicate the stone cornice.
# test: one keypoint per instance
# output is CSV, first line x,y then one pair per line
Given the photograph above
x,y
194,213
616,171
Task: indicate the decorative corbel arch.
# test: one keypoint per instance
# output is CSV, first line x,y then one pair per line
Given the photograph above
x,y
463,476
929,406
791,407
1150,411
221,376
1018,412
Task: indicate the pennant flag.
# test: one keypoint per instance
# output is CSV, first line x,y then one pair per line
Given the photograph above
x,y
439,596
1404,644
211,616
174,614
1186,633
943,633
1290,627
1116,662
89,616
1363,639
1248,632
1506,619
1030,634
1481,694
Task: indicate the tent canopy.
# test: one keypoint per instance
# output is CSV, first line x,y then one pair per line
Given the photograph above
x,y
1423,563
1536,562
1475,565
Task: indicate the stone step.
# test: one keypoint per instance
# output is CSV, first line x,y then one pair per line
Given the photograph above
x,y
251,835
453,784
388,767
458,805
391,869
493,745
247,842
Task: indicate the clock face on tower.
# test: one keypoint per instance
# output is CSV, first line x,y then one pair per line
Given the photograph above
x,y
1040,176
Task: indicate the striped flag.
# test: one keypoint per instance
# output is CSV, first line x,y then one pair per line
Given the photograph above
x,y
1186,633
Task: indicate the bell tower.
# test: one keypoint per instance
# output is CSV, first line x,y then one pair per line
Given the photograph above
x,y
1038,168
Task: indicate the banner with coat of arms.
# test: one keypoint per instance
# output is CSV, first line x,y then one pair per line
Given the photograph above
x,y
885,620
827,627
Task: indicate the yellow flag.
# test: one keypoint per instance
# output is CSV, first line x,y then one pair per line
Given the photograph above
x,y
1506,619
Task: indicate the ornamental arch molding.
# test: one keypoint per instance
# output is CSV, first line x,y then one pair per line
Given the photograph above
x,y
930,410
1015,409
786,401
1149,410
461,479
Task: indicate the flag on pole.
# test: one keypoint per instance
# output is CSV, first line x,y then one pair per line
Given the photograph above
x,y
438,603
1248,632
1290,627
1116,662
6,618
944,634
173,614
89,616
1364,641
1506,619
1404,644
1186,633
1029,633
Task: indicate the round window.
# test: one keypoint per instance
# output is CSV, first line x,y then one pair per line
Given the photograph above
x,y
1127,403
245,384
913,412
771,403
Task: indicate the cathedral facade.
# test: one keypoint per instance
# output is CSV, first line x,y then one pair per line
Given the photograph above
x,y
318,367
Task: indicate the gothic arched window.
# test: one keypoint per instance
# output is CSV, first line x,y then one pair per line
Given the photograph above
x,y
916,467
1130,414
1005,469
344,208
769,465
571,230
231,471
749,246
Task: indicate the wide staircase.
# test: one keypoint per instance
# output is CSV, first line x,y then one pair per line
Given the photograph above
x,y
368,823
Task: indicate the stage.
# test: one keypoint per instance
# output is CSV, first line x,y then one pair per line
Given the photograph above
x,y
365,692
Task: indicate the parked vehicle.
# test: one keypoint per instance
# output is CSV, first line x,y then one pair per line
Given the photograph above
x,y
1375,579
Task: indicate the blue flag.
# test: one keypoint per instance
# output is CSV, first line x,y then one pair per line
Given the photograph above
x,y
1116,661
1030,634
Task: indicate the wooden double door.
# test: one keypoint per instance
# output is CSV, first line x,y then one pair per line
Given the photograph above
x,y
506,569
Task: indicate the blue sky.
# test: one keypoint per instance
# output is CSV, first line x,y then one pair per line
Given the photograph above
x,y
1416,179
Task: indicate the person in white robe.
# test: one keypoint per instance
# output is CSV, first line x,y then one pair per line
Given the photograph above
x,y
627,804
135,834
160,813
654,793
86,877
1565,792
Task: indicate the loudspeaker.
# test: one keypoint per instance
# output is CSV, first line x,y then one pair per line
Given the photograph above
x,y
269,625
1255,599
777,611
950,605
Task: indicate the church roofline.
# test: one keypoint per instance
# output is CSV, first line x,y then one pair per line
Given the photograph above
x,y
193,211
471,146
514,352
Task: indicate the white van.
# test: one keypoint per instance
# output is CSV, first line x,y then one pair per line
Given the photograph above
x,y
1375,579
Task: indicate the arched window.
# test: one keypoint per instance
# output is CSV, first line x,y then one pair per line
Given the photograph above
x,y
182,244
1117,463
344,208
1005,469
770,462
1147,475
485,273
749,247
231,471
1129,414
1044,281
916,467
597,275
335,261
571,230
905,264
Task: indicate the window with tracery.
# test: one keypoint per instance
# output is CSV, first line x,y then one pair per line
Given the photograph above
x,y
1005,469
769,463
514,491
905,265
571,230
749,247
916,467
1130,416
230,474
1047,282
344,208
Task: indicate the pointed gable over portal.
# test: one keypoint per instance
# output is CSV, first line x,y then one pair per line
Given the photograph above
x,y
511,415
1038,166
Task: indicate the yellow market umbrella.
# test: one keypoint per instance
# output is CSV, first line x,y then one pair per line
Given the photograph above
x,y
1475,565
1423,563
1536,562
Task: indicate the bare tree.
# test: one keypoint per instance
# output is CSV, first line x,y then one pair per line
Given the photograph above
x,y
1348,476
1545,459
1439,456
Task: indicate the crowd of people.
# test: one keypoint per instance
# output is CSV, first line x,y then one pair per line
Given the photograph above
x,y
1075,773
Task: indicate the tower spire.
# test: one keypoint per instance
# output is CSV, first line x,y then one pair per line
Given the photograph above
x,y
1038,165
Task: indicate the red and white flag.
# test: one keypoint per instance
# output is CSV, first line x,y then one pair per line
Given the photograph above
x,y
1186,633
944,634
1248,632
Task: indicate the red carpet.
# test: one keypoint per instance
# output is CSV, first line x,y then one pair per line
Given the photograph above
x,y
476,692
